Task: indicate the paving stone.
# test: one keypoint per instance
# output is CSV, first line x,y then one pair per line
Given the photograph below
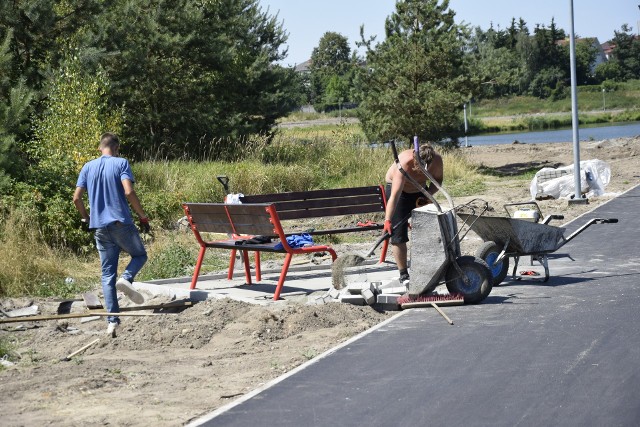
x,y
398,290
356,288
387,298
353,299
369,296
333,292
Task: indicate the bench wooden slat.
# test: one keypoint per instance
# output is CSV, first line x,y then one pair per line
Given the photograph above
x,y
317,213
375,201
342,230
246,219
310,195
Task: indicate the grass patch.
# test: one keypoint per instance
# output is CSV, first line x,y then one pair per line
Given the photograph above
x,y
7,350
28,266
624,96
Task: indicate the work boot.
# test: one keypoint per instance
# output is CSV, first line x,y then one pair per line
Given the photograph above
x,y
111,329
124,286
404,279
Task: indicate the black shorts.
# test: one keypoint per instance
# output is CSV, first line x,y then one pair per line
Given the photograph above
x,y
406,203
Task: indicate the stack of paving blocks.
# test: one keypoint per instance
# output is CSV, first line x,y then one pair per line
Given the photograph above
x,y
382,294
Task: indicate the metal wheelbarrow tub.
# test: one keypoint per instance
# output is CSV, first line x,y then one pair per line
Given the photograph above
x,y
517,235
512,237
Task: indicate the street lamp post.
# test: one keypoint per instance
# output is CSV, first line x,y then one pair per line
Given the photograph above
x,y
577,198
604,103
466,140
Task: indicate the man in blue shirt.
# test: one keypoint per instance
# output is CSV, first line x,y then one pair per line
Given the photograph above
x,y
108,181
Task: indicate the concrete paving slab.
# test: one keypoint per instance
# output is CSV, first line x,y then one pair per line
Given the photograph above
x,y
301,281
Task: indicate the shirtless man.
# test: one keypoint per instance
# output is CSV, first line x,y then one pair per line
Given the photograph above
x,y
402,196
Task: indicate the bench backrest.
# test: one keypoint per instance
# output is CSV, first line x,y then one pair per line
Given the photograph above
x,y
251,219
323,203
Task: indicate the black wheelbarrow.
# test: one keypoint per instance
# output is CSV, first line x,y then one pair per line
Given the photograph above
x,y
527,235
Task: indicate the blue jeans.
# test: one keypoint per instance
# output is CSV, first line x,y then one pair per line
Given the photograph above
x,y
110,240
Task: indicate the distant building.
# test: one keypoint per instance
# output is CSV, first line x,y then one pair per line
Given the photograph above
x,y
304,67
607,49
593,41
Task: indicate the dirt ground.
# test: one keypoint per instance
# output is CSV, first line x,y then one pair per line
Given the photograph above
x,y
168,369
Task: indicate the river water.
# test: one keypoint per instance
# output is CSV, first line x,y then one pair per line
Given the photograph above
x,y
560,135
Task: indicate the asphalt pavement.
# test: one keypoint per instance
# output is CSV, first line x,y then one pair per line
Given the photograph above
x,y
561,353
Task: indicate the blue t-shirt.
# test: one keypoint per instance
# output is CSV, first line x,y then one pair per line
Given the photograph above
x,y
102,178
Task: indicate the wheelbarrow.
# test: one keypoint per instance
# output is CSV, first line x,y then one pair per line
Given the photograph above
x,y
513,237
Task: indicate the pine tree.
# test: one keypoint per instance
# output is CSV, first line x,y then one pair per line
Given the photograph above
x,y
189,72
15,107
415,81
330,71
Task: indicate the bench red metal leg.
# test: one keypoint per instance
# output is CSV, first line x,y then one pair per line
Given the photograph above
x,y
196,271
247,267
258,271
283,276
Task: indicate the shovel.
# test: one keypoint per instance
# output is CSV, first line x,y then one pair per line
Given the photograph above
x,y
352,260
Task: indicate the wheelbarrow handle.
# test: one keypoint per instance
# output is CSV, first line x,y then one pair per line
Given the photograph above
x,y
581,229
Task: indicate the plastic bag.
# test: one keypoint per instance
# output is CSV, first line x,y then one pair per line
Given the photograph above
x,y
233,199
559,183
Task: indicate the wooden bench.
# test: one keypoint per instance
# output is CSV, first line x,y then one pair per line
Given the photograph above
x,y
301,205
291,206
254,219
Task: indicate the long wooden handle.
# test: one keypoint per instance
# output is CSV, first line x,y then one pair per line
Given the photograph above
x,y
81,349
75,315
434,305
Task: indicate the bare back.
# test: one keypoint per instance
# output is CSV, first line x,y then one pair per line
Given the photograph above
x,y
435,169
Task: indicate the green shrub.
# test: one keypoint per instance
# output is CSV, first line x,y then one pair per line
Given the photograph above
x,y
175,260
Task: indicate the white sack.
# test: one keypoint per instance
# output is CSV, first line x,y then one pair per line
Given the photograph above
x,y
233,199
559,183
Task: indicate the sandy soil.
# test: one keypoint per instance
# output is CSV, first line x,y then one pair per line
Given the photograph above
x,y
168,369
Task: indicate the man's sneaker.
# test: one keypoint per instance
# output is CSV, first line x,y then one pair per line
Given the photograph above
x,y
124,286
404,280
111,329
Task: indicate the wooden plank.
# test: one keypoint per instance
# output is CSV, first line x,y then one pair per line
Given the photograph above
x,y
173,304
91,300
375,201
73,316
317,213
313,194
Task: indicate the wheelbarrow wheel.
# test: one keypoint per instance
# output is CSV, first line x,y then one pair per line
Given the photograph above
x,y
489,252
479,280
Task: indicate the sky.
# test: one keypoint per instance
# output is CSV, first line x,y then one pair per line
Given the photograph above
x,y
307,20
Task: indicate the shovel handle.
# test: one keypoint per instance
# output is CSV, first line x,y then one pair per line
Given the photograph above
x,y
80,350
384,236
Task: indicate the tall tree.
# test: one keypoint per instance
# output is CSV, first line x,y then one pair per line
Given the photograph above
x,y
330,68
190,71
415,81
38,30
626,53
15,108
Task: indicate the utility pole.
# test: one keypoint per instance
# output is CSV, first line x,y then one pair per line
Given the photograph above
x,y
466,139
577,198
